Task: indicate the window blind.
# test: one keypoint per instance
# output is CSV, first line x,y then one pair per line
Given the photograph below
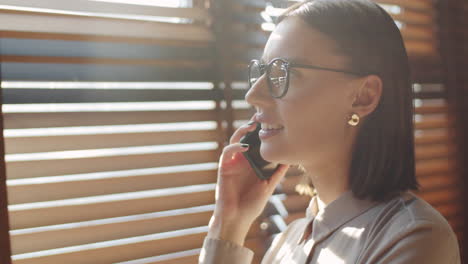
x,y
436,168
112,129
115,115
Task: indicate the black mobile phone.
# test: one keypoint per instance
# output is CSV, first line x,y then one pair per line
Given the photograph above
x,y
263,169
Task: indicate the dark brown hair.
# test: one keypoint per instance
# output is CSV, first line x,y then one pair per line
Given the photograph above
x,y
383,158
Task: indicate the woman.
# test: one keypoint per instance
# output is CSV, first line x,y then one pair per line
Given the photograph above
x,y
345,116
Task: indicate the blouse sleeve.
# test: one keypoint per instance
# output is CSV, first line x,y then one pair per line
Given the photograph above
x,y
215,251
421,242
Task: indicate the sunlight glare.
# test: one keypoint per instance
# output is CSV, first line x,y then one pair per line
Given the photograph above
x,y
164,3
353,232
328,257
268,26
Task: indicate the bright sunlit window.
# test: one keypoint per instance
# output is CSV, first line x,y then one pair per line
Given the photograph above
x,y
155,3
166,3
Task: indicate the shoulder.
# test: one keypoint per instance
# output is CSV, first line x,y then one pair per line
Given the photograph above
x,y
408,211
409,226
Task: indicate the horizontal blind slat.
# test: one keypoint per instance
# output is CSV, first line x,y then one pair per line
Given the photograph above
x,y
110,61
129,248
428,167
103,27
91,7
101,72
431,109
99,207
412,17
91,232
412,32
90,38
438,181
65,119
181,257
434,151
16,48
432,136
62,96
58,236
94,184
95,141
72,165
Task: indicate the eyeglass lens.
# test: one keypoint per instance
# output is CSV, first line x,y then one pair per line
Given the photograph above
x,y
277,76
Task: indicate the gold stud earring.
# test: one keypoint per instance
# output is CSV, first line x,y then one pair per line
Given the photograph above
x,y
354,120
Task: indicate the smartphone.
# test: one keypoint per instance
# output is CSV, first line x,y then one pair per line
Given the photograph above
x,y
263,169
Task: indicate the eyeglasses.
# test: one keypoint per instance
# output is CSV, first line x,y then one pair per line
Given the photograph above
x,y
278,74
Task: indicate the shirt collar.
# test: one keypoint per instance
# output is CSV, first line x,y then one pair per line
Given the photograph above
x,y
336,213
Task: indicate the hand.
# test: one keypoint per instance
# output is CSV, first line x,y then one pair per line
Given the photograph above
x,y
240,195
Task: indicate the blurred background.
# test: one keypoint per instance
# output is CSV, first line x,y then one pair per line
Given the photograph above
x,y
115,113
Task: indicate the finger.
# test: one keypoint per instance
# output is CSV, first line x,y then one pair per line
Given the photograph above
x,y
229,151
278,175
242,131
239,133
235,137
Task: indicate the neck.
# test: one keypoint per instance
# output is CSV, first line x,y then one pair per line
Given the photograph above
x,y
329,181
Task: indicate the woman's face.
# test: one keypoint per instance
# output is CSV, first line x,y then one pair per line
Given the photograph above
x,y
317,106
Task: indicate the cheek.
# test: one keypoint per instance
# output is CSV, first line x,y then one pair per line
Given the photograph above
x,y
316,117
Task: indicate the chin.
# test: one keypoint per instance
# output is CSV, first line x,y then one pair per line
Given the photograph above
x,y
271,155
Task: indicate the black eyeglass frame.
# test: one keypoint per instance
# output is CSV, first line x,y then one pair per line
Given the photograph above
x,y
288,66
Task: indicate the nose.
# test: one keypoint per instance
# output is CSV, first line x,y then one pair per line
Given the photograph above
x,y
258,95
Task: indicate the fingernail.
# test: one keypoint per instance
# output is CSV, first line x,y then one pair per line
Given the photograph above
x,y
245,145
251,122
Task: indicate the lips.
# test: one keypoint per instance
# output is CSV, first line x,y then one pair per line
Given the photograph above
x,y
265,134
268,129
261,118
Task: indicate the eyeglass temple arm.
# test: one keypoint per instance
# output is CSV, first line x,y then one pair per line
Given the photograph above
x,y
322,68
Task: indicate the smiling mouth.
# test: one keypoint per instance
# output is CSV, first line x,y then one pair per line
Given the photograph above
x,y
272,129
267,133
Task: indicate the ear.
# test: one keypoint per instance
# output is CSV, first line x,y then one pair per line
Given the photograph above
x,y
367,96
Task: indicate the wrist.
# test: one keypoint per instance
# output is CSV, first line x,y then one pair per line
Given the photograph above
x,y
235,232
